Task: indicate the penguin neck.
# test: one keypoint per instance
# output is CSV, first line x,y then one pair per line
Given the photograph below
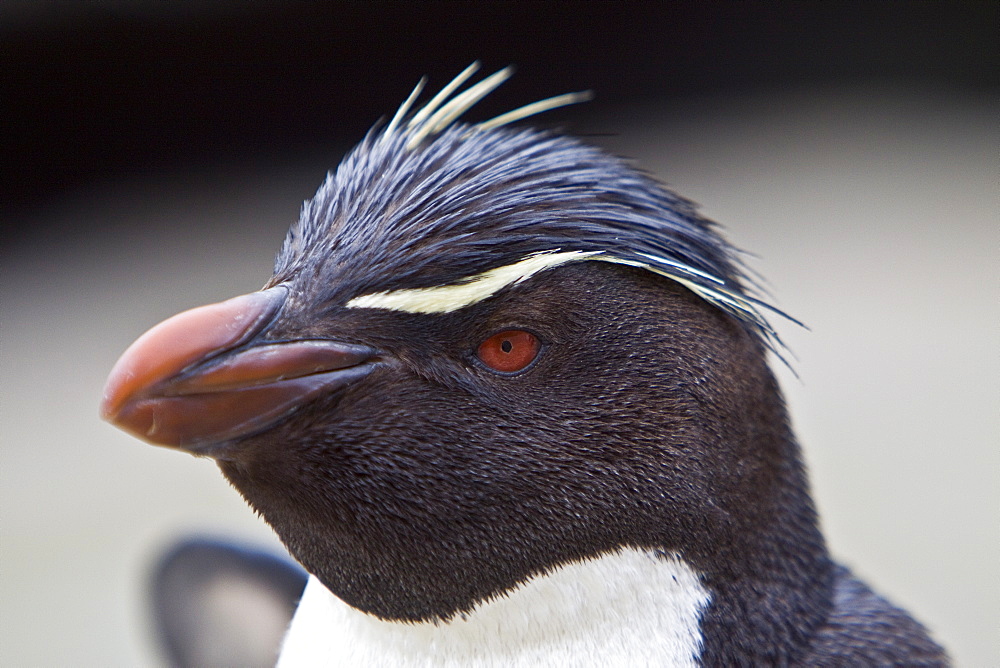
x,y
768,611
630,607
772,590
758,547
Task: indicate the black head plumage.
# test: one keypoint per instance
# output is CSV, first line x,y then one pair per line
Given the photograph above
x,y
648,389
412,208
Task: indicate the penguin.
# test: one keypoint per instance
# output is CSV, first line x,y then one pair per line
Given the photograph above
x,y
507,399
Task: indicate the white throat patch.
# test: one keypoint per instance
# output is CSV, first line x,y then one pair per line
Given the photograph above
x,y
630,608
448,298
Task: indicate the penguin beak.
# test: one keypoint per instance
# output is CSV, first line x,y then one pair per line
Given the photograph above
x,y
198,379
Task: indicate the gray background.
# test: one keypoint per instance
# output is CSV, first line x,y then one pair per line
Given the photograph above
x,y
872,205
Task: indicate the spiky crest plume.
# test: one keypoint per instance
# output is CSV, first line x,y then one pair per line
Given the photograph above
x,y
427,201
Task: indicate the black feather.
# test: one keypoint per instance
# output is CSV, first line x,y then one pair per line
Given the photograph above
x,y
469,200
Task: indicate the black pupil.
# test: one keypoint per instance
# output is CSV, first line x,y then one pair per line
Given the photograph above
x,y
506,346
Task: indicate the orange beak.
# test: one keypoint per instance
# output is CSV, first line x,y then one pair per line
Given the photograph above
x,y
197,379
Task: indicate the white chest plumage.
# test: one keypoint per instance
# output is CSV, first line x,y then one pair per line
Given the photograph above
x,y
631,608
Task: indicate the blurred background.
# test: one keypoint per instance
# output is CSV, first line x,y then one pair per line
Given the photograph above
x,y
155,153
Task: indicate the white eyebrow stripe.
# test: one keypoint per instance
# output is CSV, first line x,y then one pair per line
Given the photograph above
x,y
448,298
474,289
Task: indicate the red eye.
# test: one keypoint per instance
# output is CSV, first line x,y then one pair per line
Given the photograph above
x,y
509,351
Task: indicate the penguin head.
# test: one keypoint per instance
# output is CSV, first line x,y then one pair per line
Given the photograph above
x,y
485,352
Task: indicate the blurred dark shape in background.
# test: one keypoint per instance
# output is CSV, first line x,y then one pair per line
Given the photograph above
x,y
217,603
